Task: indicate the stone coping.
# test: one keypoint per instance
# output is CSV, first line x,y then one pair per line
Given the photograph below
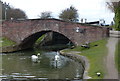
x,y
74,55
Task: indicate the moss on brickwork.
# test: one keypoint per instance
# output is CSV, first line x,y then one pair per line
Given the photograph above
x,y
6,42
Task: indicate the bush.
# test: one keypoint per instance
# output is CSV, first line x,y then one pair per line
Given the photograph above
x,y
117,19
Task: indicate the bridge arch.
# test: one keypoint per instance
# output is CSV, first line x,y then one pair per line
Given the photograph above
x,y
26,32
29,41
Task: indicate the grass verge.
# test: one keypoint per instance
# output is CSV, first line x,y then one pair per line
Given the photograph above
x,y
6,42
95,55
117,55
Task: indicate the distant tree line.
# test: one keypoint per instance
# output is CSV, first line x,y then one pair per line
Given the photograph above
x,y
69,14
9,12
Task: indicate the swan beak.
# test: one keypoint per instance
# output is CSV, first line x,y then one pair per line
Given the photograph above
x,y
38,54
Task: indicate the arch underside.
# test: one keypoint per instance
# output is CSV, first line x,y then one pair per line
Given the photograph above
x,y
29,41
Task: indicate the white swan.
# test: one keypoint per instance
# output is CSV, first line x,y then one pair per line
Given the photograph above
x,y
57,57
35,57
57,60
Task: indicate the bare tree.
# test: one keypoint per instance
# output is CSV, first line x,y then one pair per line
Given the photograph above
x,y
46,15
115,7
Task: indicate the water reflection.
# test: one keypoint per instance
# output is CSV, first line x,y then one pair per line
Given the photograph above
x,y
58,61
21,65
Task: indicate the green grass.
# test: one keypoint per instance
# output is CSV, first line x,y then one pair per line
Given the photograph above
x,y
117,55
95,55
6,42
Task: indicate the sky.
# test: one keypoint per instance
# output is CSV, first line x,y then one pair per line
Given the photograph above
x,y
92,10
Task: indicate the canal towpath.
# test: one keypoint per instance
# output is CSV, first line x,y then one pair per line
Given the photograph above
x,y
112,72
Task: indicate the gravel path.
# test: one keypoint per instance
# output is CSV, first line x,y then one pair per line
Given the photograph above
x,y
110,59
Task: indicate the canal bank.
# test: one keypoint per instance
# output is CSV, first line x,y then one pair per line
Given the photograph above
x,y
8,49
95,56
82,59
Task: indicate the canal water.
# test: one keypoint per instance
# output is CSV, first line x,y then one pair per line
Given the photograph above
x,y
20,65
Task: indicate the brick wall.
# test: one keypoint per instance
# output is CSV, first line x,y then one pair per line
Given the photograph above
x,y
26,32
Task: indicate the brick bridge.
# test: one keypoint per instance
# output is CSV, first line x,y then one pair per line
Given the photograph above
x,y
26,32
